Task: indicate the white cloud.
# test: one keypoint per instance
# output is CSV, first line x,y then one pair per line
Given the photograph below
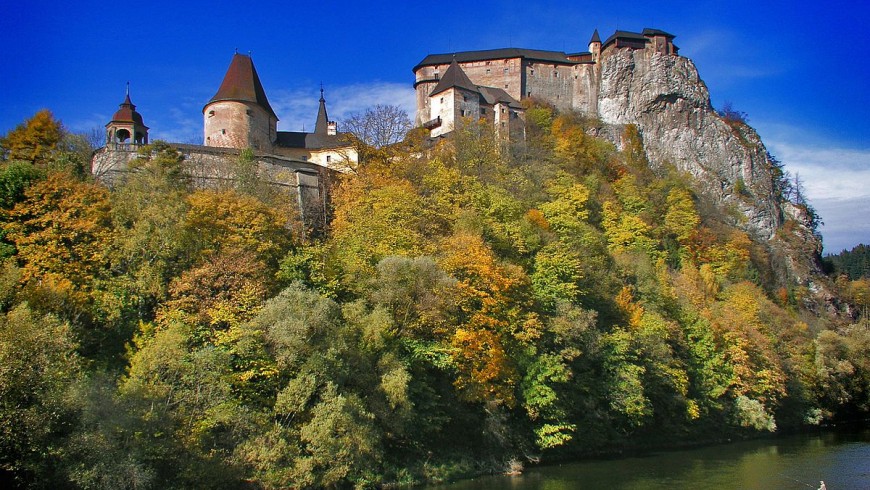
x,y
836,180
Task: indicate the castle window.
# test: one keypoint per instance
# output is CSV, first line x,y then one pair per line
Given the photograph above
x,y
210,113
462,113
328,158
532,72
506,71
488,62
223,131
556,74
483,111
465,98
505,85
488,71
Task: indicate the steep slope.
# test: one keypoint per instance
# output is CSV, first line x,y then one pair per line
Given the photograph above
x,y
666,99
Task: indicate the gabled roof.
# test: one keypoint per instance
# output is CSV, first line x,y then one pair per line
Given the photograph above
x,y
242,84
493,96
495,54
454,77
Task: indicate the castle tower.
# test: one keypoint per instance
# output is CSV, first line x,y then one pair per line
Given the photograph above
x,y
126,127
239,115
595,46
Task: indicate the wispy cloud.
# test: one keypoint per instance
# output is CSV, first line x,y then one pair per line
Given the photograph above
x,y
837,183
298,107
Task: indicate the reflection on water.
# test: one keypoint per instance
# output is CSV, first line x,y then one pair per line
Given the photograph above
x,y
793,462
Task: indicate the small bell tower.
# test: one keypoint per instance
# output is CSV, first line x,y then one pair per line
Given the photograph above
x,y
126,128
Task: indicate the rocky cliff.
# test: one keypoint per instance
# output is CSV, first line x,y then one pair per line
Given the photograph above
x,y
666,99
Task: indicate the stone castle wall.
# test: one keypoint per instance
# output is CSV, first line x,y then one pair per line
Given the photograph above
x,y
212,167
551,82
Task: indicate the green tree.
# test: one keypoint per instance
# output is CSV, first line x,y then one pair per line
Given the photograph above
x,y
38,367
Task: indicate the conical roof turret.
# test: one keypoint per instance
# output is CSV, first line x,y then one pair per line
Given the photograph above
x,y
595,37
321,126
241,83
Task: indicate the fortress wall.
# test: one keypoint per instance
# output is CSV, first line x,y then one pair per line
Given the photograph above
x,y
586,86
212,168
504,73
551,82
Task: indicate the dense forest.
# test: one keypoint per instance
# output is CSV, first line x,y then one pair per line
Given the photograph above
x,y
855,263
472,307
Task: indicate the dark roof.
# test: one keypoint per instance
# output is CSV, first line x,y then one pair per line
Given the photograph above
x,y
127,113
656,32
493,96
241,83
454,77
311,141
634,36
595,37
494,54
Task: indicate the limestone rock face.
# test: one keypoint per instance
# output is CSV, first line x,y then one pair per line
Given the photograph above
x,y
666,99
664,96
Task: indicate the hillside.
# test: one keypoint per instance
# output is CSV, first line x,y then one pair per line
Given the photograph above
x,y
472,307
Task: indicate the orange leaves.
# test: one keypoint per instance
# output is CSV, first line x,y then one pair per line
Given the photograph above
x,y
481,278
484,367
489,304
61,230
626,303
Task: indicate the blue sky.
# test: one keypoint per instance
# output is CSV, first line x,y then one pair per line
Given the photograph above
x,y
800,69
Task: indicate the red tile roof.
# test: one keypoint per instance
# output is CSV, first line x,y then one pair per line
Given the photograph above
x,y
241,83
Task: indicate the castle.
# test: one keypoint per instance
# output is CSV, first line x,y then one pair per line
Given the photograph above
x,y
239,117
492,84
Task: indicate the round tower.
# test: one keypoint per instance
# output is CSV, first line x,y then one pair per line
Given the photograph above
x,y
126,127
239,115
595,46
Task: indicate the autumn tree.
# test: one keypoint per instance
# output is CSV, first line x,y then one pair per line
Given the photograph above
x,y
34,140
62,231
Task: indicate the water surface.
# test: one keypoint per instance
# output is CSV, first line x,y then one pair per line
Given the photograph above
x,y
842,460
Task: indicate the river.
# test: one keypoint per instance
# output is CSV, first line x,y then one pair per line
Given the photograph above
x,y
841,459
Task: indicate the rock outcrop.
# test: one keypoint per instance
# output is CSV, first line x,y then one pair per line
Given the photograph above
x,y
664,96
